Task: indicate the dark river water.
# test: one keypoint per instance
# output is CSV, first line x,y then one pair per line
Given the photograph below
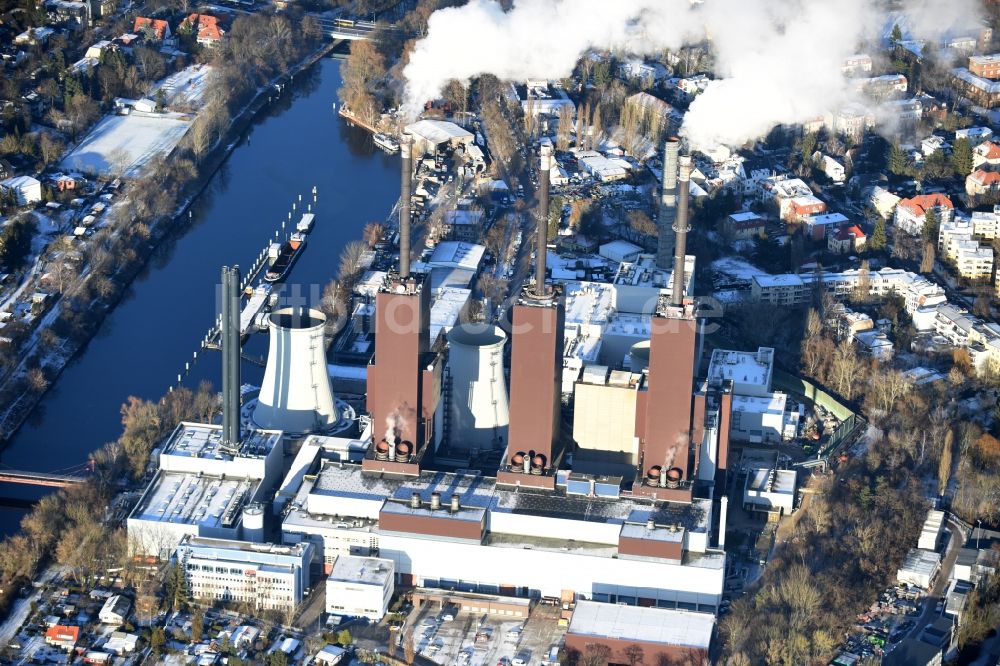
x,y
299,142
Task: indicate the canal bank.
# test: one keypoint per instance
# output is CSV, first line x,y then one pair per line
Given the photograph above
x,y
291,145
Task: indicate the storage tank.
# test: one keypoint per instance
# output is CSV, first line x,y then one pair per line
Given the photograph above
x,y
296,396
478,401
639,356
253,522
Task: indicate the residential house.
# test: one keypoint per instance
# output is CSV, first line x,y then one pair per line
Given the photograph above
x,y
62,637
859,63
986,66
27,190
932,144
978,89
982,182
688,88
911,213
974,135
846,240
154,29
116,610
883,201
818,227
986,224
97,49
882,87
205,28
744,225
874,344
853,120
834,170
33,36
986,154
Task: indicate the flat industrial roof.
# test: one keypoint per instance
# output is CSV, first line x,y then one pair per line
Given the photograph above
x,y
204,440
191,499
772,404
742,366
345,480
781,481
648,625
367,570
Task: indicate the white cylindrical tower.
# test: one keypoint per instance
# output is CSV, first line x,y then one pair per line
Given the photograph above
x,y
479,415
639,356
253,523
296,396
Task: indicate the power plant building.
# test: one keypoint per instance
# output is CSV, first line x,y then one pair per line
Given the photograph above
x,y
470,533
360,587
202,487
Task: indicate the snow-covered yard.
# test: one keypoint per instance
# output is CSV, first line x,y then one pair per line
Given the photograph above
x,y
185,89
736,269
126,143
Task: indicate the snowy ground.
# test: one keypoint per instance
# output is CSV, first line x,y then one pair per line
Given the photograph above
x,y
126,143
736,269
185,90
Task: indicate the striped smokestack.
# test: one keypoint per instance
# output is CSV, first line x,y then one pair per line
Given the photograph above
x,y
229,336
405,183
668,204
681,227
542,229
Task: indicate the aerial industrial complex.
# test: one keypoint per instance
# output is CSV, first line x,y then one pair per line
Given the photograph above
x,y
454,484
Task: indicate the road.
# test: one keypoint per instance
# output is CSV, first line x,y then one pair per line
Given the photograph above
x,y
22,607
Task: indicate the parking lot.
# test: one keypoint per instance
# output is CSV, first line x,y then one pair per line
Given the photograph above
x,y
478,640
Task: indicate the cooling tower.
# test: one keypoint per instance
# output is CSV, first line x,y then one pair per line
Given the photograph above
x,y
639,356
296,395
478,408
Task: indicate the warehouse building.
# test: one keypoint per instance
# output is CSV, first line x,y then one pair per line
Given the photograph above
x,y
919,568
360,587
659,635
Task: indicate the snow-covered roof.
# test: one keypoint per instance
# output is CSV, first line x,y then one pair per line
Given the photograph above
x,y
438,131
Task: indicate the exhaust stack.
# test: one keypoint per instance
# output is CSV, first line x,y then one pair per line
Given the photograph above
x,y
229,337
542,219
668,204
405,184
681,227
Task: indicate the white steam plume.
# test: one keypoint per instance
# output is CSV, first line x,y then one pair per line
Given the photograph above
x,y
776,61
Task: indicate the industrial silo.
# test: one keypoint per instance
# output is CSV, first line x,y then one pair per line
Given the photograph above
x,y
478,399
296,396
253,522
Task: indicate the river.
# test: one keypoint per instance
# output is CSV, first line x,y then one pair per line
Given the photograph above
x,y
296,143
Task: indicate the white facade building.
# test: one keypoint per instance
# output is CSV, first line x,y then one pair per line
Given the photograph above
x,y
27,190
360,587
266,576
482,537
115,610
770,490
202,488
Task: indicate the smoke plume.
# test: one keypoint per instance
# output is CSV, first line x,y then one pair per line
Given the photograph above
x,y
775,62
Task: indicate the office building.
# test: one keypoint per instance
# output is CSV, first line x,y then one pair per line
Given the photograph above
x,y
263,576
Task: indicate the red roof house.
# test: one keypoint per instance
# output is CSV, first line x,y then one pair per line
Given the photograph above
x,y
62,636
205,28
157,29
